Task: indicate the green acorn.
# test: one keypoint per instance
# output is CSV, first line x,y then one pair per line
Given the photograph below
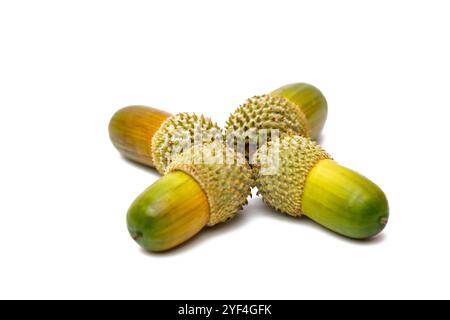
x,y
310,101
296,176
201,187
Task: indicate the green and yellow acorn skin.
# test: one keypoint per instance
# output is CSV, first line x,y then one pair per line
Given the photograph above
x,y
197,191
307,181
168,213
310,101
296,109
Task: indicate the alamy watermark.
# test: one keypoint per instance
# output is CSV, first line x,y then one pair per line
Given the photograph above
x,y
236,147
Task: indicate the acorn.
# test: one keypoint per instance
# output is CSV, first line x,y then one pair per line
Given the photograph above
x,y
203,186
297,109
296,176
153,137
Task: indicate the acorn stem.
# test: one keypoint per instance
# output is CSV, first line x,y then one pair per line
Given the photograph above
x,y
310,101
344,201
168,213
131,130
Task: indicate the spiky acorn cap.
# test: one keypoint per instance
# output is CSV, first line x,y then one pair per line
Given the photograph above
x,y
224,175
269,112
178,133
281,168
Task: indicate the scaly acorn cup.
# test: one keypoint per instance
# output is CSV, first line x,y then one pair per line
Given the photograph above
x,y
297,109
201,187
296,176
153,137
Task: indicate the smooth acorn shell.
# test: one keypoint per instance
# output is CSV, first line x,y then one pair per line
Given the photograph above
x,y
168,213
344,201
131,130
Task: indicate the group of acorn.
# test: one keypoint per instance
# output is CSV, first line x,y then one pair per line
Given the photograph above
x,y
194,193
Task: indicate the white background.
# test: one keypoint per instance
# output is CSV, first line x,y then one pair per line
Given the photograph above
x,y
67,66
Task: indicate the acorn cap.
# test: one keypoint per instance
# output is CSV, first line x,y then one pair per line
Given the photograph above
x,y
177,133
268,112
